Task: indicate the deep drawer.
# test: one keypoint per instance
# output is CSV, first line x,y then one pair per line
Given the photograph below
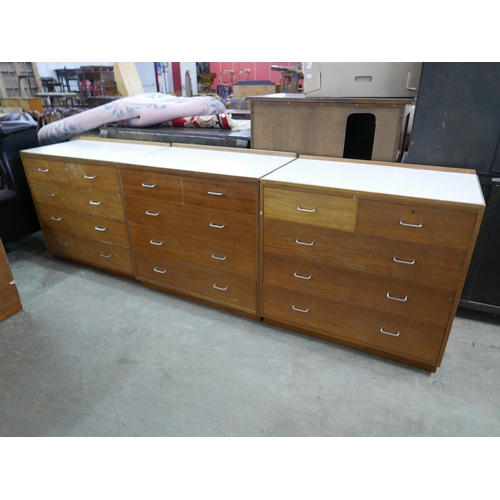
x,y
357,325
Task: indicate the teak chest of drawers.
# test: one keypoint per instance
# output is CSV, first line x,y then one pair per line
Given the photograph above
x,y
368,255
371,256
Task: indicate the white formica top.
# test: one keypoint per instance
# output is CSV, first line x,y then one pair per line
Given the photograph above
x,y
218,162
96,150
423,183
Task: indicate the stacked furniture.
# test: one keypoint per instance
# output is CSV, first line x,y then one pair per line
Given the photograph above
x,y
370,255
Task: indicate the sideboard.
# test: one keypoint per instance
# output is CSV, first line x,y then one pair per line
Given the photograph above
x,y
371,255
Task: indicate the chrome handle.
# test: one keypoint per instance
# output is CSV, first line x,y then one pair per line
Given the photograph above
x,y
212,224
214,193
302,277
97,228
389,333
302,243
300,209
300,310
410,225
106,255
62,243
153,242
156,270
396,298
92,202
219,288
152,214
49,194
43,170
91,177
408,262
56,218
219,258
149,186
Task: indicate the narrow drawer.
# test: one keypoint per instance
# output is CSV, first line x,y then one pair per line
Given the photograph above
x,y
416,224
209,254
45,170
221,194
427,264
360,326
99,253
203,283
84,225
90,176
394,296
332,212
220,225
152,185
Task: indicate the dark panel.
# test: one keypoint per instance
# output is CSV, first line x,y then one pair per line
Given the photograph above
x,y
457,116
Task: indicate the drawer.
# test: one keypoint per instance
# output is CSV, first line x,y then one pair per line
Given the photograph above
x,y
391,295
416,224
222,194
152,185
203,283
84,225
209,254
230,227
360,326
45,170
332,212
98,253
90,176
427,264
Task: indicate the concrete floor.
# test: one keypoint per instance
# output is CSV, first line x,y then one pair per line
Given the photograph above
x,y
95,355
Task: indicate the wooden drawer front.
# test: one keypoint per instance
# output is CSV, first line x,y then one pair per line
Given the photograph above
x,y
232,196
427,264
241,261
391,295
84,225
93,177
233,228
99,253
152,185
364,327
203,283
44,170
308,208
416,224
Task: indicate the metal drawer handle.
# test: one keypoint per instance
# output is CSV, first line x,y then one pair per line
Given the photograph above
x,y
49,194
408,262
153,242
214,193
92,202
44,170
219,288
212,224
410,225
91,177
302,243
97,228
302,277
300,209
152,214
56,218
219,258
389,333
389,296
106,255
156,270
149,186
300,310
62,243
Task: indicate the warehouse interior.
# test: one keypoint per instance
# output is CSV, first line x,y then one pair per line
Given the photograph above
x,y
89,352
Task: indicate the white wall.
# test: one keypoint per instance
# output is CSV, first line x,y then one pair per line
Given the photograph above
x,y
191,67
